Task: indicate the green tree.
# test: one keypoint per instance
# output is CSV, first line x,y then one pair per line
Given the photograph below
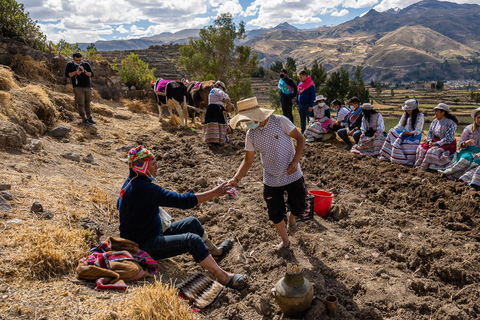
x,y
291,66
276,66
214,54
16,23
274,97
357,87
344,84
439,85
319,75
135,72
378,88
332,85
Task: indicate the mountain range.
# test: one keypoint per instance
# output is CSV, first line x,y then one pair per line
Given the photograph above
x,y
429,40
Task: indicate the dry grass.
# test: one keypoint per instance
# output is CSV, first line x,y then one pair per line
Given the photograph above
x,y
104,202
43,251
102,109
136,106
7,82
152,302
32,69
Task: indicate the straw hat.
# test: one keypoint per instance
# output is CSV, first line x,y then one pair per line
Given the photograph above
x,y
443,106
410,104
474,112
319,97
367,106
249,110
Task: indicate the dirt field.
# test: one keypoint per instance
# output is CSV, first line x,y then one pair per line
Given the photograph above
x,y
399,244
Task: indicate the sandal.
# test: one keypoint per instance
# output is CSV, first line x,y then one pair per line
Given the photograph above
x,y
281,246
225,247
237,282
292,229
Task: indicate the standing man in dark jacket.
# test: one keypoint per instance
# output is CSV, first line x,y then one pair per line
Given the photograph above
x,y
306,97
80,72
288,92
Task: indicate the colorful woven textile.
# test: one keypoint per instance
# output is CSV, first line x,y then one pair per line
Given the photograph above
x,y
436,157
400,148
162,86
196,86
305,84
138,159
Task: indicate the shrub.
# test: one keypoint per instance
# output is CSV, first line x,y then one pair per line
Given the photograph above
x,y
16,23
135,72
274,97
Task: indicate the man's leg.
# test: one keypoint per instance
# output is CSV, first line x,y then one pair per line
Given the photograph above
x,y
88,100
302,111
356,136
80,101
276,210
287,109
296,200
342,133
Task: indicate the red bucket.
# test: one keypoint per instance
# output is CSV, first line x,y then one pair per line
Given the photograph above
x,y
322,201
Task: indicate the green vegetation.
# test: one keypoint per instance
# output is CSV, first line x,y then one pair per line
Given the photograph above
x,y
277,66
318,74
337,85
357,87
135,72
274,97
16,23
63,47
215,55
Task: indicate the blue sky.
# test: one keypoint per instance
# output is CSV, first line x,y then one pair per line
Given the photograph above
x,y
93,20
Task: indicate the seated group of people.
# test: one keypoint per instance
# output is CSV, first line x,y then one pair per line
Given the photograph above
x,y
403,143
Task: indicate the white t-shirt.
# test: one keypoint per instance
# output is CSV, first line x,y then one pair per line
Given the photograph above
x,y
287,127
342,113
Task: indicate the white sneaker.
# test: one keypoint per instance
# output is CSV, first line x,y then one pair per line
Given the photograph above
x,y
310,140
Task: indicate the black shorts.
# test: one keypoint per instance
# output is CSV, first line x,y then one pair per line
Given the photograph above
x,y
276,203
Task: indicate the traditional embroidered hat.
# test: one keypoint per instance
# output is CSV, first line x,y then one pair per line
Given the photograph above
x,y
367,106
410,104
249,110
319,97
443,106
138,159
475,112
221,84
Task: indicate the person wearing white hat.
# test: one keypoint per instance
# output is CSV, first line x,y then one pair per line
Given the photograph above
x,y
216,127
441,145
320,122
272,135
403,140
465,163
372,134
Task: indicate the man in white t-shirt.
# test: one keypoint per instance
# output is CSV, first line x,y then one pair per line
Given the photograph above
x,y
272,135
342,113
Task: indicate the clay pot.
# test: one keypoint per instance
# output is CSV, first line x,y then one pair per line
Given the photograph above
x,y
293,293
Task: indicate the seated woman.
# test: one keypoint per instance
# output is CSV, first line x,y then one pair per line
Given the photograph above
x,y
342,113
142,221
441,145
319,125
465,164
216,127
373,132
353,123
402,141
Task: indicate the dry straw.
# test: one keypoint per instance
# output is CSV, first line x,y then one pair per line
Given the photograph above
x,y
136,106
7,82
29,68
45,251
155,301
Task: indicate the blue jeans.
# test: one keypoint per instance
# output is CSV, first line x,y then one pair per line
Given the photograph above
x,y
183,236
304,114
342,133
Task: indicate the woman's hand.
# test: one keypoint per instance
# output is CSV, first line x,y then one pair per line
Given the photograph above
x,y
292,167
362,135
349,132
477,156
310,109
470,142
376,134
431,144
232,182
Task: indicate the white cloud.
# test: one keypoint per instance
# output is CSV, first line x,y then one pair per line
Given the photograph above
x,y
342,13
121,29
228,6
357,4
389,4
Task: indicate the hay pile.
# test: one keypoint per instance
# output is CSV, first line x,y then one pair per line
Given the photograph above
x,y
137,106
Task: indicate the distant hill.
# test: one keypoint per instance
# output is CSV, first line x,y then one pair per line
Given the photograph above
x,y
426,41
429,40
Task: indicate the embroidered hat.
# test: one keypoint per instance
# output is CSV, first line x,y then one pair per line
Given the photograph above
x,y
410,104
367,106
475,112
139,158
443,106
220,84
249,110
319,97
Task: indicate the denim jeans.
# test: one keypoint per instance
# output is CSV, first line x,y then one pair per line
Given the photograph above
x,y
304,114
342,133
183,236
